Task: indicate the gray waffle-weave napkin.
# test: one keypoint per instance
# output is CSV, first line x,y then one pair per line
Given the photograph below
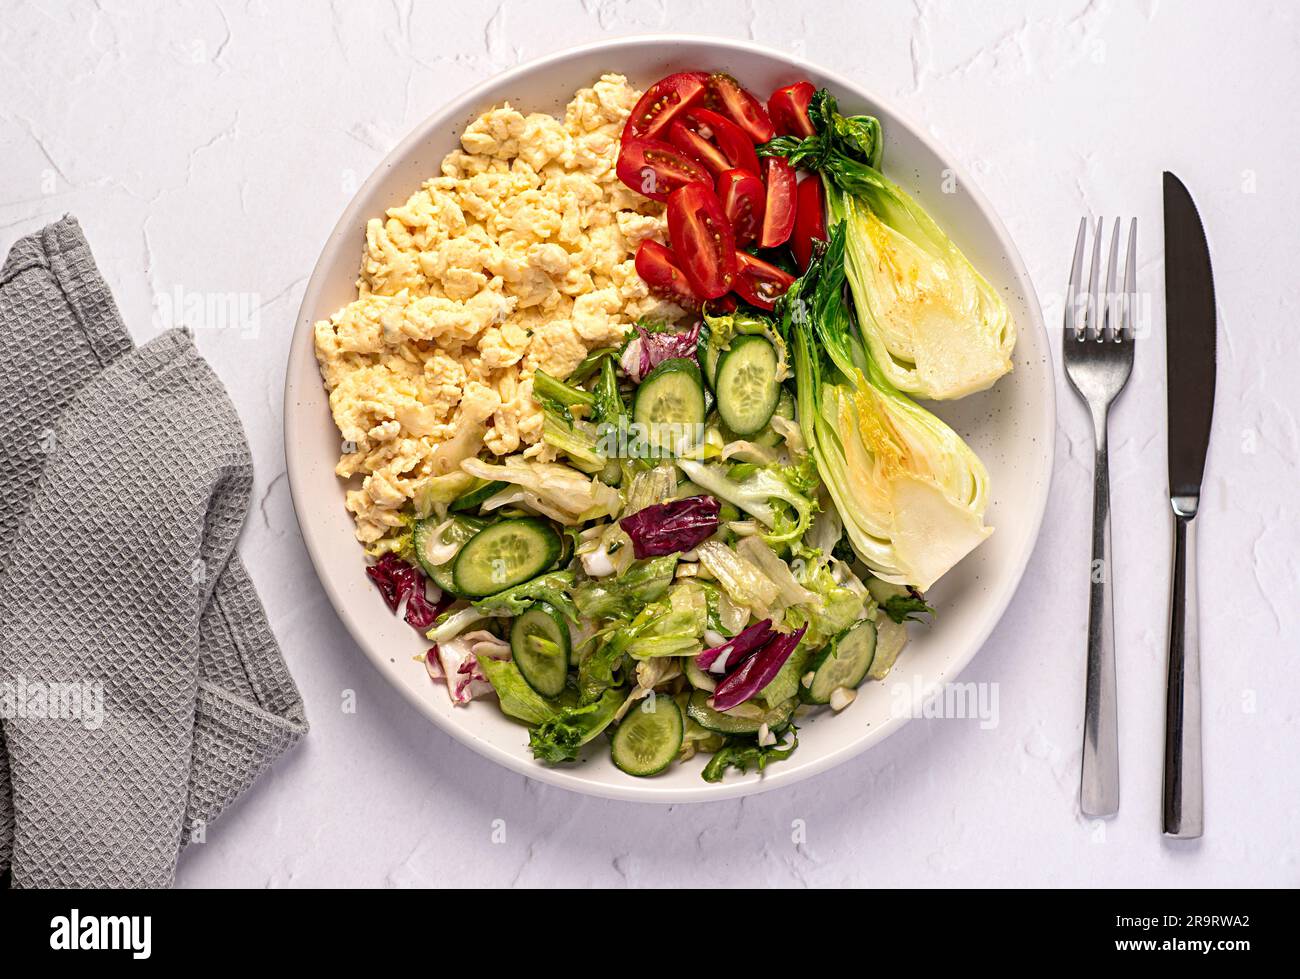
x,y
127,478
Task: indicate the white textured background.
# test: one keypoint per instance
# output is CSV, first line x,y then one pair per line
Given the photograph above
x,y
209,148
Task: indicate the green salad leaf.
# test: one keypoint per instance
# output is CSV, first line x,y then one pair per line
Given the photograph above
x,y
560,736
518,699
552,588
644,581
781,497
743,754
906,608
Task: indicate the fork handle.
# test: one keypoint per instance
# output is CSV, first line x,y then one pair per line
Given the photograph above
x,y
1181,812
1099,780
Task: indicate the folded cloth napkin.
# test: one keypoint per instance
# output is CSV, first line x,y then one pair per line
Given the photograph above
x,y
141,688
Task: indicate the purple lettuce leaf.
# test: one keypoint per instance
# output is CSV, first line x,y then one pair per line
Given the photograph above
x,y
679,525
736,648
397,581
651,348
756,672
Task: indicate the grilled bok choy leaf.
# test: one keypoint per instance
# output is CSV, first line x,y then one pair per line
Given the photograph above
x,y
934,326
910,492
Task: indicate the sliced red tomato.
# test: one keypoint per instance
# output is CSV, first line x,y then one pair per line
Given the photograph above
x,y
743,200
658,267
809,218
779,212
664,101
655,168
702,239
697,147
720,306
788,108
758,282
730,138
740,107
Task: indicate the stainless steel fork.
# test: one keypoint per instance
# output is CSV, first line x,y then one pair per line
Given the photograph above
x,y
1098,345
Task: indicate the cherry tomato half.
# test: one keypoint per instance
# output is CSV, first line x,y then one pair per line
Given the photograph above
x,y
729,137
720,306
702,239
658,267
809,218
788,108
758,282
697,147
662,102
740,107
743,201
655,168
778,215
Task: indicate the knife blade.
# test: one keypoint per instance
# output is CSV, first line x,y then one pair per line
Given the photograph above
x,y
1190,326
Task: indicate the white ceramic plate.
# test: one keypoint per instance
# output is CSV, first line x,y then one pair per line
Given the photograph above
x,y
1011,427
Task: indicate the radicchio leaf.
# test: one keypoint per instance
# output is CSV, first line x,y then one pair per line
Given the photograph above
x,y
736,648
757,671
420,612
651,348
679,525
398,580
391,576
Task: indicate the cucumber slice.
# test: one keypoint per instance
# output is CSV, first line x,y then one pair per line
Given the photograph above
x,y
747,387
461,529
539,643
768,438
842,662
669,405
649,737
744,718
475,497
504,554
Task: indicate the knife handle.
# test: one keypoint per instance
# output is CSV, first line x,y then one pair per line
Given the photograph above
x,y
1099,773
1181,812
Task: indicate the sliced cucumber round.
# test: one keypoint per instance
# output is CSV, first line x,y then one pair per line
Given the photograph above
x,y
539,643
504,554
649,737
472,500
747,387
744,718
842,662
669,406
427,543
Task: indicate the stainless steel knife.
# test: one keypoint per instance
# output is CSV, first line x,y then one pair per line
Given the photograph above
x,y
1190,327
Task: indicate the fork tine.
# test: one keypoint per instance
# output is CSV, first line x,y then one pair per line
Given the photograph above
x,y
1090,325
1130,282
1110,323
1072,324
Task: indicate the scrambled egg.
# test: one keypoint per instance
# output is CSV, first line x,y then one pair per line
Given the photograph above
x,y
518,257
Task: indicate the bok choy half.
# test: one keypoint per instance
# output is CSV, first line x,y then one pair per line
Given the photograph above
x,y
934,326
910,492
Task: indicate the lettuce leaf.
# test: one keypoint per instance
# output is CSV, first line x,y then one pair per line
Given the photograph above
x,y
560,736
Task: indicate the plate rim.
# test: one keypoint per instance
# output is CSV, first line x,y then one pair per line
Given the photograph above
x,y
647,790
